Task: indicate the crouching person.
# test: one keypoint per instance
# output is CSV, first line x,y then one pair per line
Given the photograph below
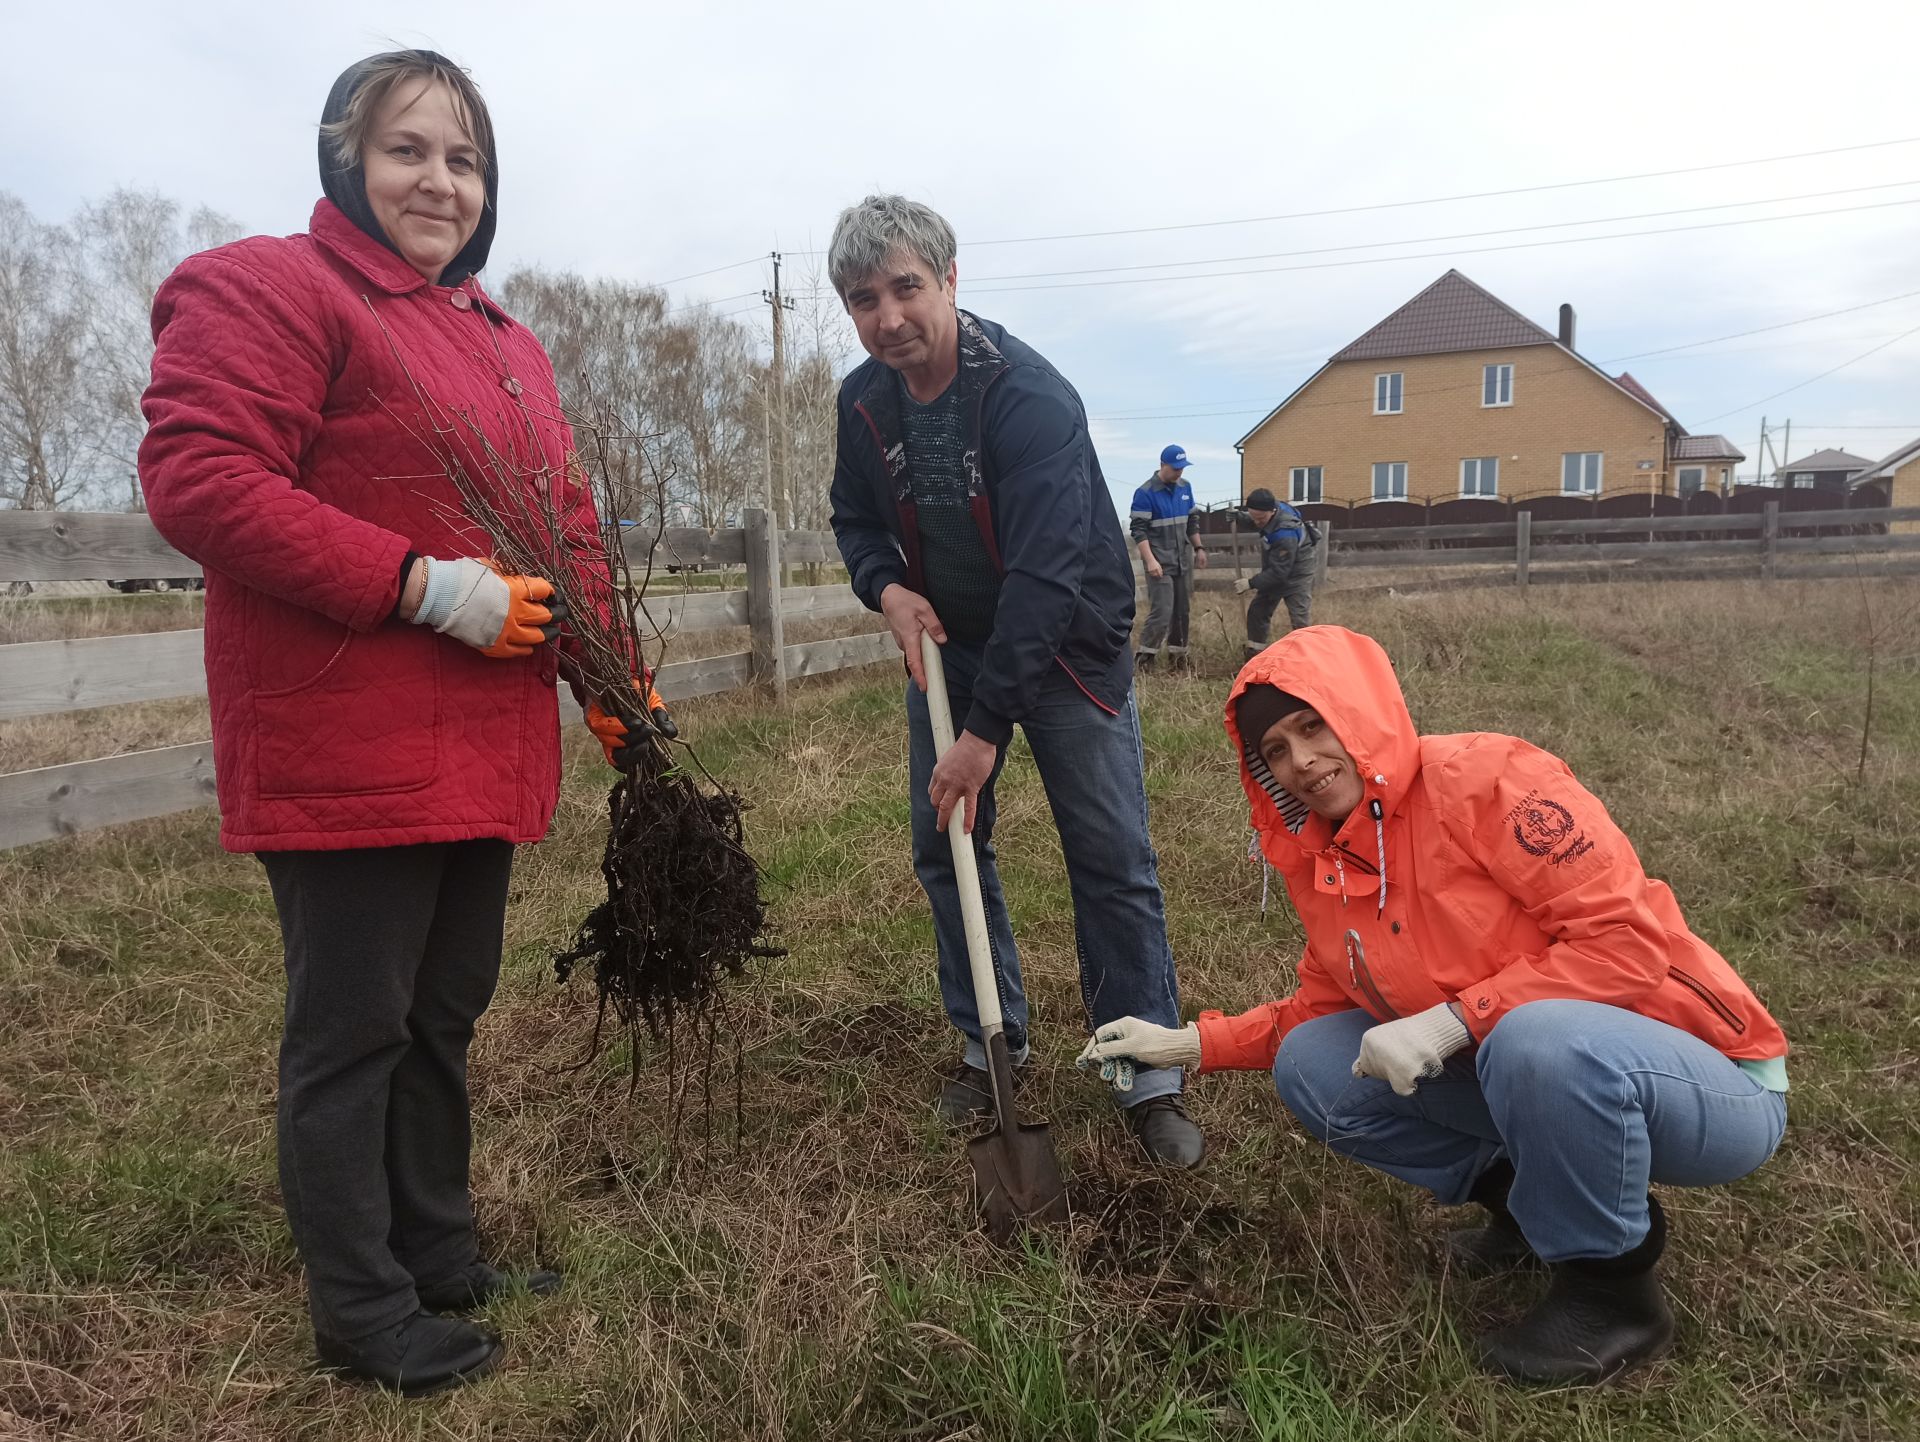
x,y
1496,1002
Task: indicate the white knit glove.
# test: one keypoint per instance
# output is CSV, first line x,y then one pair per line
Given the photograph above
x,y
464,599
1405,1052
1119,1046
1242,586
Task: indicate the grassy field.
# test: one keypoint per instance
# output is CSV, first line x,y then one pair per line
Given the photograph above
x,y
801,1260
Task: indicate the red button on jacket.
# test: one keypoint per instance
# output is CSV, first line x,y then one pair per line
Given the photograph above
x,y
292,383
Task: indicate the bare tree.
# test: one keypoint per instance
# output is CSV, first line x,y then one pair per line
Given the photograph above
x,y
45,318
128,244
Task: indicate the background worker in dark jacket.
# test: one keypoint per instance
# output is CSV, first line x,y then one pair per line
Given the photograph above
x,y
1288,558
1166,532
968,504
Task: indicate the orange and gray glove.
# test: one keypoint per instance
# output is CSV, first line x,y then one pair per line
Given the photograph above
x,y
620,729
499,616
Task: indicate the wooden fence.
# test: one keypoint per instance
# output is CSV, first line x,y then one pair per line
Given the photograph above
x,y
1765,545
39,678
51,677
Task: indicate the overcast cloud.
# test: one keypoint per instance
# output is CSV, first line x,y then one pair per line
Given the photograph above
x,y
649,141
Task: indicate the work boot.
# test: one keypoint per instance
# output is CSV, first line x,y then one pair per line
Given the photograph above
x,y
1599,1318
1165,1131
480,1284
422,1354
1143,661
1499,1245
1178,661
967,1094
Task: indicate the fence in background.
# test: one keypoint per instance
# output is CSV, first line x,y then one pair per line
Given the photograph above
x,y
39,678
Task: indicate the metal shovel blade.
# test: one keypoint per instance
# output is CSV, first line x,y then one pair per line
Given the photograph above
x,y
1016,1175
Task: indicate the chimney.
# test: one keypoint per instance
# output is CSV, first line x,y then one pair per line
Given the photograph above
x,y
1566,326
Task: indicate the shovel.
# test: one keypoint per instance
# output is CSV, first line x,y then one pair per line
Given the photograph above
x,y
1016,1175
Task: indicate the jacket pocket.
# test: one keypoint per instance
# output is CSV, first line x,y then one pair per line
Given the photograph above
x,y
1707,995
368,721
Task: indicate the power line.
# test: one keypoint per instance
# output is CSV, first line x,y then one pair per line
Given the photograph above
x,y
1441,199
1436,239
750,260
720,300
1798,385
1444,254
1761,330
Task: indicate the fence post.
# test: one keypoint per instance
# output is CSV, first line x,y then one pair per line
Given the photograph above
x,y
1522,546
1769,537
769,664
1320,563
1233,530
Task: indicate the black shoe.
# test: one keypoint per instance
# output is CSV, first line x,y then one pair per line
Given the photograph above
x,y
966,1096
422,1354
1166,1133
1598,1319
1499,1246
1143,661
480,1284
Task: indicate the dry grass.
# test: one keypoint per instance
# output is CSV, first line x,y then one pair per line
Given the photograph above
x,y
817,1272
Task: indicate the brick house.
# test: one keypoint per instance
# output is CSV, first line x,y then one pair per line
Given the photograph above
x,y
1899,476
1456,394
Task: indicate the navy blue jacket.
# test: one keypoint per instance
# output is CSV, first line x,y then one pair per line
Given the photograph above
x,y
1041,503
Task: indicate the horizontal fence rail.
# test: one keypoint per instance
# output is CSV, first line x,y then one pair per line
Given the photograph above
x,y
40,678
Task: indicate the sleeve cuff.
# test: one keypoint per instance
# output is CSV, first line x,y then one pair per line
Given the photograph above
x,y
987,726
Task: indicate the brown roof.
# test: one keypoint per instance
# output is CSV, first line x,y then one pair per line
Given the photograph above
x,y
1829,461
1707,448
1640,393
1452,314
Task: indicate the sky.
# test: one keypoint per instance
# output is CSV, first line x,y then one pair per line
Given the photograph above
x,y
652,142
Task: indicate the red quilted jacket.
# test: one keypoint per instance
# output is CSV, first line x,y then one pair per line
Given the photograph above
x,y
292,380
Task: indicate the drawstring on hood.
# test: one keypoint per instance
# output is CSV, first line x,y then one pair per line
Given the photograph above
x,y
346,186
1348,680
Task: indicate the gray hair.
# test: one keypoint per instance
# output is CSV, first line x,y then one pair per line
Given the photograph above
x,y
879,227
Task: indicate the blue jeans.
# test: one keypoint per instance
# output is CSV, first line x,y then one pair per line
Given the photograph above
x,y
1090,763
1589,1102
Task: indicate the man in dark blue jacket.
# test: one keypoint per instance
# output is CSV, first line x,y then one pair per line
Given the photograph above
x,y
1288,556
968,503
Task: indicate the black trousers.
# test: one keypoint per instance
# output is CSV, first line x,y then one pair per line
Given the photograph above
x,y
392,955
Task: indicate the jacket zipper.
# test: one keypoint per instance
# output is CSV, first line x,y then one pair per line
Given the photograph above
x,y
1701,990
1362,973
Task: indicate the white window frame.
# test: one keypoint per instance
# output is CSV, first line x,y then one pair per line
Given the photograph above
x,y
1599,469
1803,480
1391,495
1481,476
1498,372
1390,393
1303,478
1680,479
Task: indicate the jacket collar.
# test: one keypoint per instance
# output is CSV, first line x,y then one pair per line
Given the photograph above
x,y
981,363
377,265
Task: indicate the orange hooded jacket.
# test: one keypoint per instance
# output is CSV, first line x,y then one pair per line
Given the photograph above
x,y
1475,869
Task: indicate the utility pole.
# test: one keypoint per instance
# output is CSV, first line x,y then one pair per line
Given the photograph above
x,y
1760,455
781,305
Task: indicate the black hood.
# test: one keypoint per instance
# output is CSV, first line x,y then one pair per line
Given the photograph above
x,y
347,188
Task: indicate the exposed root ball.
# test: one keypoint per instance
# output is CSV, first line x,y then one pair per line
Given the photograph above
x,y
683,908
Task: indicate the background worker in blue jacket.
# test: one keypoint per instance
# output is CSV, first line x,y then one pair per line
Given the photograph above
x,y
1287,562
1166,532
968,504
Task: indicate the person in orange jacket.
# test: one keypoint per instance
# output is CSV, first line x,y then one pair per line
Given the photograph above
x,y
1496,1003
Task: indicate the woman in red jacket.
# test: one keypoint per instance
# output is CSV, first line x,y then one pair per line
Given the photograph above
x,y
1496,1002
385,724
